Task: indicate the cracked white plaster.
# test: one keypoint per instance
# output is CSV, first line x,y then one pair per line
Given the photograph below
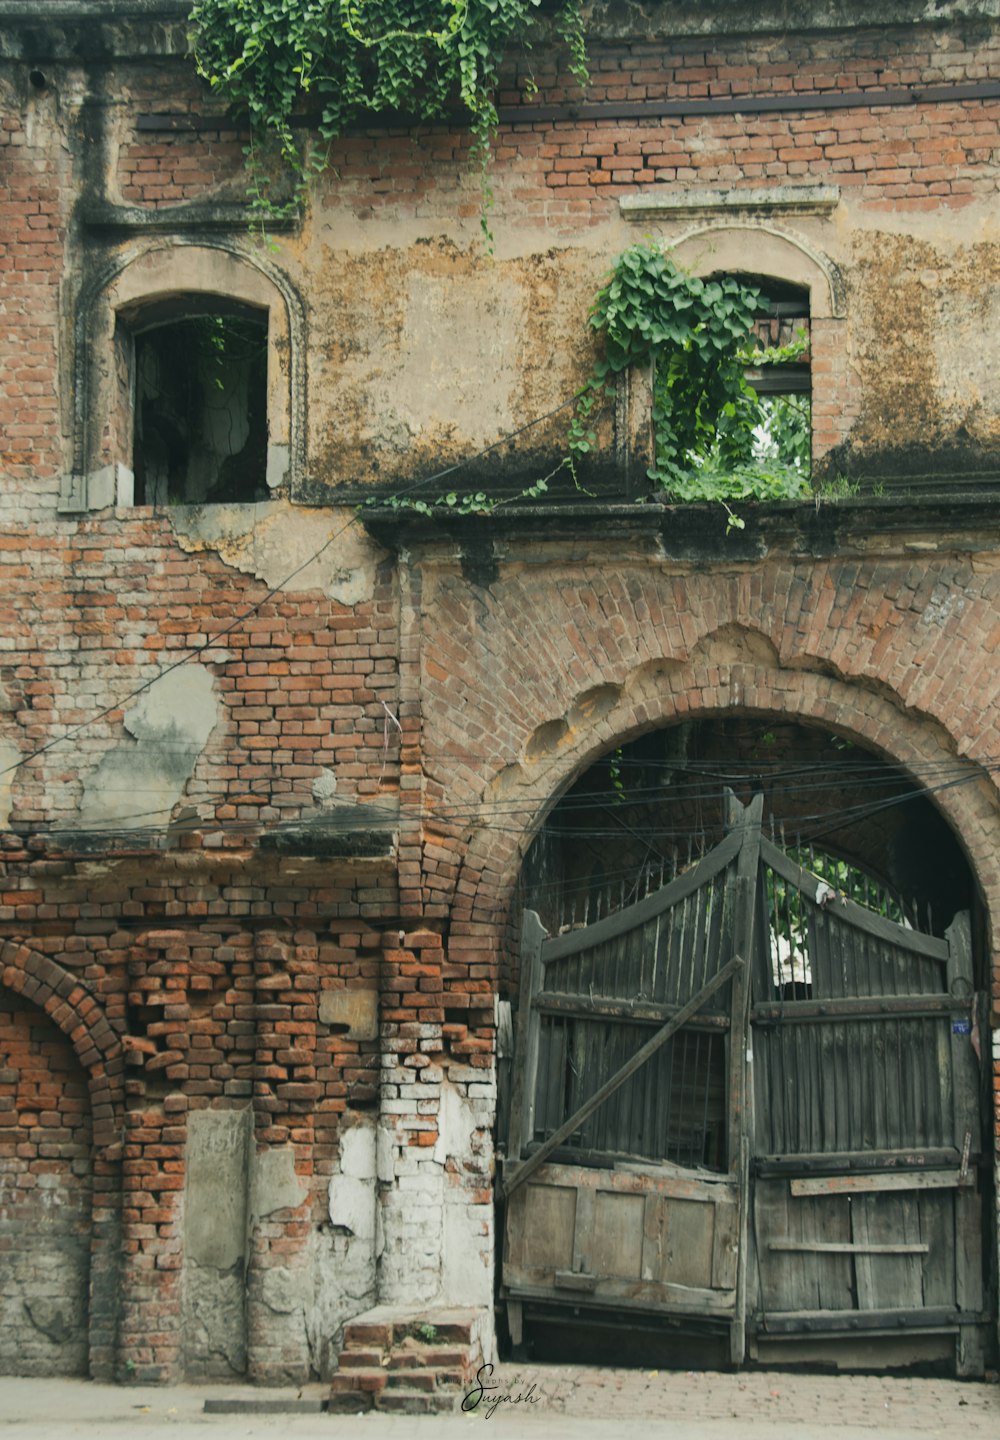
x,y
139,781
275,540
352,1192
10,756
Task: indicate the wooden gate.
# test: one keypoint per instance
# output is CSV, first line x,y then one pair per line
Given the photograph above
x,y
750,1104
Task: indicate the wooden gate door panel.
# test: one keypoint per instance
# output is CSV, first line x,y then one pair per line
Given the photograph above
x,y
611,1238
866,1118
627,1170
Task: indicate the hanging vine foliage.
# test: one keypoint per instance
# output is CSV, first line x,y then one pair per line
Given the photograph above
x,y
714,438
344,60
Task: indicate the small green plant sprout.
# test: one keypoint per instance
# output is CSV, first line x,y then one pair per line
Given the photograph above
x,y
615,762
427,1332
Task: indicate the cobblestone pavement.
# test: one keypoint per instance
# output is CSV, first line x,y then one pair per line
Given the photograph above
x,y
936,1407
557,1402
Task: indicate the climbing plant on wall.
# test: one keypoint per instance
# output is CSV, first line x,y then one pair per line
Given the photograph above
x,y
714,438
344,60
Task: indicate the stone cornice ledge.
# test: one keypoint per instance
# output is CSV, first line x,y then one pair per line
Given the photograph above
x,y
197,215
956,523
666,201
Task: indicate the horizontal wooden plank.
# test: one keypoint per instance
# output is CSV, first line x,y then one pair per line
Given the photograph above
x,y
872,1007
626,1295
864,1184
840,1162
553,1002
846,1247
622,921
645,1179
833,1322
574,1280
866,920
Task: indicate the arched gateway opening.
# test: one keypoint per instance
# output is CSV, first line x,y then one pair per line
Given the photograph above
x,y
747,1112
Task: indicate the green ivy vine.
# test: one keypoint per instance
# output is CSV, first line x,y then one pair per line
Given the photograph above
x,y
344,60
714,438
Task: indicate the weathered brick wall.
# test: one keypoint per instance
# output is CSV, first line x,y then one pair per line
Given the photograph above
x,y
107,604
172,145
46,1190
212,1015
335,1021
36,195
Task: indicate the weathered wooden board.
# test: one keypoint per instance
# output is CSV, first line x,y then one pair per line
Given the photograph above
x,y
857,1184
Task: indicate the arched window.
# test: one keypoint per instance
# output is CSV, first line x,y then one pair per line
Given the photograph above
x,y
200,423
188,385
809,397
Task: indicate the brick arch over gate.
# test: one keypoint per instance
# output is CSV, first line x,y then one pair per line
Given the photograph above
x,y
75,1011
659,697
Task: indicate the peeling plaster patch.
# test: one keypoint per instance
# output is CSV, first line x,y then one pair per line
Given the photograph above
x,y
354,1243
464,343
941,606
967,367
324,787
218,1157
276,1186
281,1291
384,1157
9,755
140,781
467,1241
273,539
353,1012
352,1192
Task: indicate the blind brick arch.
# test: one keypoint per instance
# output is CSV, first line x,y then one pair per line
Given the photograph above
x,y
98,1048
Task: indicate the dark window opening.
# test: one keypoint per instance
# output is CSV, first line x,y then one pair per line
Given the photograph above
x,y
781,377
200,410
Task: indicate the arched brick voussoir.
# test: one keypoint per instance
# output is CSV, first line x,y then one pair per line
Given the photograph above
x,y
71,1006
700,689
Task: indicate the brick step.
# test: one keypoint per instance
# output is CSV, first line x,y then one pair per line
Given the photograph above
x,y
426,1355
454,1331
363,1332
372,1378
353,1359
419,1402
430,1380
451,1327
411,1364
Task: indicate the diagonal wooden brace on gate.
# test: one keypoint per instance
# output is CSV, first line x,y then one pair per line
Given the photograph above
x,y
609,1087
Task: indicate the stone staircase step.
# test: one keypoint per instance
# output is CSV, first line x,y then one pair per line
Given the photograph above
x,y
452,1357
353,1359
370,1378
418,1402
411,1364
374,1333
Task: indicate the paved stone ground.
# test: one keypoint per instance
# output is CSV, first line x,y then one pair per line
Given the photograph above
x,y
567,1403
917,1406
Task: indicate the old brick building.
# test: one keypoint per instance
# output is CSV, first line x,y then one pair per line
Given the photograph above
x,y
271,772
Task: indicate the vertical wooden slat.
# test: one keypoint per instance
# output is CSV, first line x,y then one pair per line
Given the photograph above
x,y
526,1065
